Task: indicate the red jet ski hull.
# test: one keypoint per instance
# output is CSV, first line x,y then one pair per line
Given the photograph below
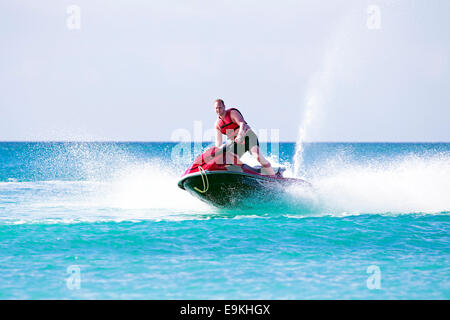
x,y
231,185
233,189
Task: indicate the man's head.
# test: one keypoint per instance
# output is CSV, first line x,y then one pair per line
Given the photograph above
x,y
219,105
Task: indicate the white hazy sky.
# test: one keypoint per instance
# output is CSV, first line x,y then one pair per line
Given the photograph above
x,y
140,70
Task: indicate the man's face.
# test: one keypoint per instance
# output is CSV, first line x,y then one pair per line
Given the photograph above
x,y
220,108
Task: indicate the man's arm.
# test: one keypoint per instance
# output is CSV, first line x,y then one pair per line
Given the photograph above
x,y
243,127
218,136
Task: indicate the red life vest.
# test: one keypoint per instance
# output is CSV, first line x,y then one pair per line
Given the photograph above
x,y
227,126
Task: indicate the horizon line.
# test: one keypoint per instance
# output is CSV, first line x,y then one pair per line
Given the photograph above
x,y
166,141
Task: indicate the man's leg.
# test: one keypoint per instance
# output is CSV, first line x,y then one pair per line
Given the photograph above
x,y
231,154
266,167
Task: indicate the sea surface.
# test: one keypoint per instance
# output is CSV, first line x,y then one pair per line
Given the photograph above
x,y
91,220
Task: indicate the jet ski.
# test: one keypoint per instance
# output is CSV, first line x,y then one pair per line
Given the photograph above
x,y
219,178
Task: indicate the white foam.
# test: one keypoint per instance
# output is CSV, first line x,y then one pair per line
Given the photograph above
x,y
150,186
403,185
137,191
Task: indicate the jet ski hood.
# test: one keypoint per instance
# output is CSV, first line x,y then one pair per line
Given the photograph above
x,y
211,160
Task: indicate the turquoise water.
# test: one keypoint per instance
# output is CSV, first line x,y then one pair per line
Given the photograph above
x,y
113,213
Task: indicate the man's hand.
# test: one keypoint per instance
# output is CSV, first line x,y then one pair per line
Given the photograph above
x,y
238,139
236,117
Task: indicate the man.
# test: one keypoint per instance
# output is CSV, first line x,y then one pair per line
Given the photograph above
x,y
231,123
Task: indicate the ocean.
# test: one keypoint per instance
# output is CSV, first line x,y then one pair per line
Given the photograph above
x,y
106,220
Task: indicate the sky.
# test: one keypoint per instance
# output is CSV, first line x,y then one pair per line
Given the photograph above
x,y
129,70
